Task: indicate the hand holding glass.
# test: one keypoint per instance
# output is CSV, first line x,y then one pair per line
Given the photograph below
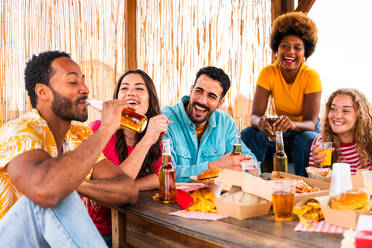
x,y
326,149
251,167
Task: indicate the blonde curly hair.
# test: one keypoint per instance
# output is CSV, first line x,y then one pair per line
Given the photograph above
x,y
362,129
294,23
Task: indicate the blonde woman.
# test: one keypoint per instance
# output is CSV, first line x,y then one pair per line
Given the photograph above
x,y
348,124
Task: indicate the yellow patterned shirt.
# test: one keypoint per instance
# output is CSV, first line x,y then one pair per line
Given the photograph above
x,y
26,133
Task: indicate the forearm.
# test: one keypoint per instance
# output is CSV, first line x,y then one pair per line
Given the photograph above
x,y
116,191
183,172
148,182
63,175
304,126
133,163
254,119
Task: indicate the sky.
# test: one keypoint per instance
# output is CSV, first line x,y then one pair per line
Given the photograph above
x,y
343,55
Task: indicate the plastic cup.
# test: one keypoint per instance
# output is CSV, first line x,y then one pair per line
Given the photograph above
x,y
283,192
251,167
367,180
327,149
341,179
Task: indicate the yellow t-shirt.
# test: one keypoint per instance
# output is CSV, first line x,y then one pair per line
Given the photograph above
x,y
288,98
26,133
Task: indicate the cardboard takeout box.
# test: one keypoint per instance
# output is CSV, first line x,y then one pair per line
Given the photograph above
x,y
343,218
228,179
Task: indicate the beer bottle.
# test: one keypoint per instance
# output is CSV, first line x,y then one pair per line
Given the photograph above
x,y
237,147
280,158
129,118
271,117
167,176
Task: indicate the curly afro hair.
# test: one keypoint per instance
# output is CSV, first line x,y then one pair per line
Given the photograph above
x,y
294,23
38,70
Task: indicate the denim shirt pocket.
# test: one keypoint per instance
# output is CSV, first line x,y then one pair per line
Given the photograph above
x,y
212,153
183,155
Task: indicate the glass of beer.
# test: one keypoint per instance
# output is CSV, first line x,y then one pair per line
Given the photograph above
x,y
283,192
327,149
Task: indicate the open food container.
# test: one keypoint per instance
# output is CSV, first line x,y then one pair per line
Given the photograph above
x,y
242,205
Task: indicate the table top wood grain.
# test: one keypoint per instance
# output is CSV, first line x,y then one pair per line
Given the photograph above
x,y
261,231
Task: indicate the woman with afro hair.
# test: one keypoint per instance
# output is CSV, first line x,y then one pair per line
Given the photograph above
x,y
348,124
295,88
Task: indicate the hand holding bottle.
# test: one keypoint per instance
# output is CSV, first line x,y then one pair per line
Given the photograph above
x,y
128,117
111,113
158,126
283,123
265,124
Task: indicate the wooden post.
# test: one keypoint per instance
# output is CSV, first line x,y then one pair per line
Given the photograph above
x,y
118,229
305,5
279,7
130,34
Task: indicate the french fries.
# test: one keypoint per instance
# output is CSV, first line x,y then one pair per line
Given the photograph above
x,y
203,201
309,212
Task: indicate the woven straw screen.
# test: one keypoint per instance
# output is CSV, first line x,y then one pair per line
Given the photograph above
x,y
175,38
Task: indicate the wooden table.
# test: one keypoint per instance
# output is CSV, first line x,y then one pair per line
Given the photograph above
x,y
148,224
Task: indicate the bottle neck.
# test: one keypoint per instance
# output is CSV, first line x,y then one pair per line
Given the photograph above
x,y
95,103
279,142
166,158
271,108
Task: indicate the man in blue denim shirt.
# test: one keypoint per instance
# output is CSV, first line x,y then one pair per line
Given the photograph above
x,y
202,136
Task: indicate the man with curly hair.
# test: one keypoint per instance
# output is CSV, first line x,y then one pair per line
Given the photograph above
x,y
295,88
45,160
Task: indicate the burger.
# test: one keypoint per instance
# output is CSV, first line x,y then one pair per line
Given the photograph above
x,y
209,174
354,199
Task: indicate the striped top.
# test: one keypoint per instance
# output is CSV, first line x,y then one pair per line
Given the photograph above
x,y
347,154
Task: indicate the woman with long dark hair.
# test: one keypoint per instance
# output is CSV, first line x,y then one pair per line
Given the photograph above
x,y
137,154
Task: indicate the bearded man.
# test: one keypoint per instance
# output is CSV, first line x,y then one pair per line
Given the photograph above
x,y
45,160
202,137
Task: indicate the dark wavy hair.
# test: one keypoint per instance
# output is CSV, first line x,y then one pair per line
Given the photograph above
x,y
38,70
362,129
153,110
294,23
215,74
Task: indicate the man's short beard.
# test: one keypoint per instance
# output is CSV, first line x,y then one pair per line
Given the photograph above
x,y
197,121
64,108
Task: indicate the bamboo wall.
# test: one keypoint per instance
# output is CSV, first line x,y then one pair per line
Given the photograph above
x,y
175,38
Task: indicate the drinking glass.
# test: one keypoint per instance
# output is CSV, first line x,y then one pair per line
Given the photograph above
x,y
327,149
251,167
283,192
367,180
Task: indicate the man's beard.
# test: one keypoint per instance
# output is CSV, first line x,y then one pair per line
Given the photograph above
x,y
192,114
64,108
